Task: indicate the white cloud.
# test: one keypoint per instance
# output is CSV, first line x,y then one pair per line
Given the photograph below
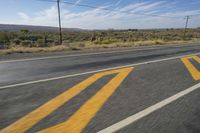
x,y
46,17
23,15
101,19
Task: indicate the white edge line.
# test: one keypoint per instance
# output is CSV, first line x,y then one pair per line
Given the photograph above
x,y
98,53
131,119
72,55
91,72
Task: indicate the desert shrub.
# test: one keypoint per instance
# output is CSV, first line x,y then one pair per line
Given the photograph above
x,y
106,41
41,43
56,43
103,37
30,37
26,43
16,41
81,44
74,48
4,38
24,31
93,38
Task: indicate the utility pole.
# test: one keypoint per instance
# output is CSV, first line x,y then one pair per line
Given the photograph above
x,y
186,25
60,28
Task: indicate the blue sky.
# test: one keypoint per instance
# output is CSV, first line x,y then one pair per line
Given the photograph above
x,y
34,12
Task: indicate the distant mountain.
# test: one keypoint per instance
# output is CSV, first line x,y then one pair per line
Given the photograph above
x,y
8,27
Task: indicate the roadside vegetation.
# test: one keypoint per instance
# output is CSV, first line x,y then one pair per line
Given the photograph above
x,y
25,41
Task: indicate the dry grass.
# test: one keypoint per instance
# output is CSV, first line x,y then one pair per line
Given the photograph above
x,y
90,45
138,43
34,49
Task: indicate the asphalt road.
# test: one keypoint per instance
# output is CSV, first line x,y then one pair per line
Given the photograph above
x,y
148,90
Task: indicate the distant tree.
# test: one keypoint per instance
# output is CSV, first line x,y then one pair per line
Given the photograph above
x,y
24,31
111,30
132,30
93,38
45,39
4,37
16,41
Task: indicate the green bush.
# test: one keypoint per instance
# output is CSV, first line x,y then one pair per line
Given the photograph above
x,y
41,43
46,39
4,38
24,31
26,43
16,41
30,37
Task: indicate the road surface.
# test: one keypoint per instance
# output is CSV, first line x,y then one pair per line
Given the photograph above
x,y
148,90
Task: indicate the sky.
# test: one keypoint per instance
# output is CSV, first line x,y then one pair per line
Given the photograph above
x,y
135,14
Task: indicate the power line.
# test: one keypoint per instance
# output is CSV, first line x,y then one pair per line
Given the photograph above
x,y
115,10
112,10
53,1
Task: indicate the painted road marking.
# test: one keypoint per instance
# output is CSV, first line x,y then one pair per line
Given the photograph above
x,y
77,122
191,68
97,53
91,72
131,119
80,120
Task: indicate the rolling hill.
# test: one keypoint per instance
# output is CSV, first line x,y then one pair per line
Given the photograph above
x,y
10,28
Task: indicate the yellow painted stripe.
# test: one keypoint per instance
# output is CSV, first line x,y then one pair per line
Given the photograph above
x,y
197,59
191,68
77,122
35,116
26,122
